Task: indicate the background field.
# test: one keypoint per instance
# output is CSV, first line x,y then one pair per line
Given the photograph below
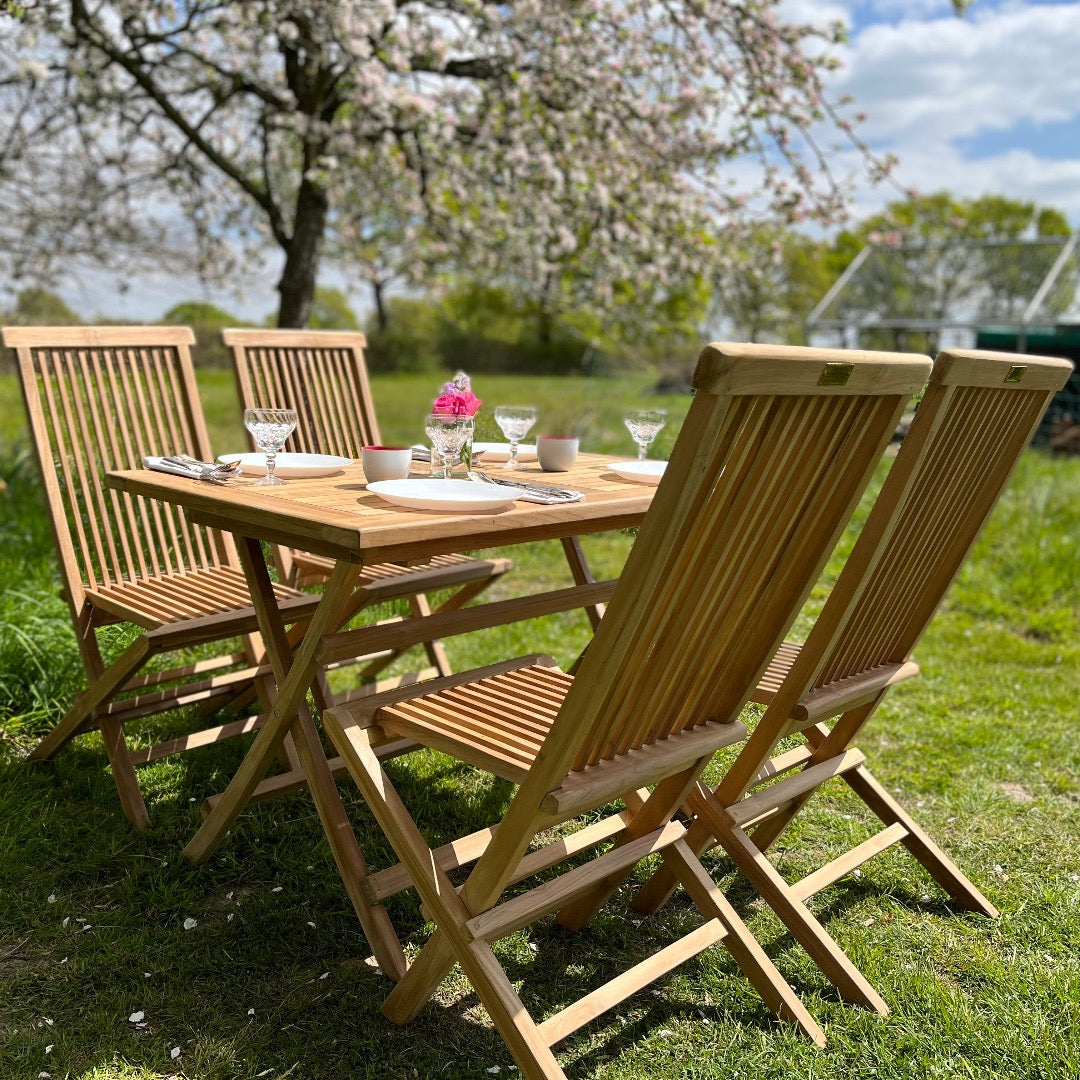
x,y
273,980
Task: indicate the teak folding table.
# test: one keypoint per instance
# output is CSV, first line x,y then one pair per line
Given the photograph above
x,y
337,517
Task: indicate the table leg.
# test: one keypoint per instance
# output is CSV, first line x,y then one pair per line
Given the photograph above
x,y
579,568
293,681
295,674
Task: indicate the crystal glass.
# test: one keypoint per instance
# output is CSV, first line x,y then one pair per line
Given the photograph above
x,y
270,428
448,432
514,421
644,425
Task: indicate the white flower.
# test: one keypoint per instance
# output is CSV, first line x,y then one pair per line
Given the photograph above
x,y
136,1017
190,924
174,1053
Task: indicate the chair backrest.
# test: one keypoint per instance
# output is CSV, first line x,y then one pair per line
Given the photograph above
x,y
100,398
319,373
776,449
977,416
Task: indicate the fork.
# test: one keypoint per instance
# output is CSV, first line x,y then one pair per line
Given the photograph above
x,y
539,489
207,471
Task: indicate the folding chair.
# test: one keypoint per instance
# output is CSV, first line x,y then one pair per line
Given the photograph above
x,y
322,375
975,420
774,453
99,398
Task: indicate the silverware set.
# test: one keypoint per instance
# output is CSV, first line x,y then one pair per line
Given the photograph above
x,y
532,492
209,471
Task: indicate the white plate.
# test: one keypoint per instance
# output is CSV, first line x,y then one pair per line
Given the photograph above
x,y
289,466
641,472
444,494
500,451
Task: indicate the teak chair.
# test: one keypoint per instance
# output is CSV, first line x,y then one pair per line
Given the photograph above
x,y
99,398
979,413
774,453
323,376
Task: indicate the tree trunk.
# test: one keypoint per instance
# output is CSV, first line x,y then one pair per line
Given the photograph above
x,y
382,318
545,316
297,285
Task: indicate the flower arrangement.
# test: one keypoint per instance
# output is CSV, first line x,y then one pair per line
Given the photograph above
x,y
456,400
457,397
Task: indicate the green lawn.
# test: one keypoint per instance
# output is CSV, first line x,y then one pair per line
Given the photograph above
x,y
272,979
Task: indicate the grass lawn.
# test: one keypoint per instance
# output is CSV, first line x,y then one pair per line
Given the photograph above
x,y
119,960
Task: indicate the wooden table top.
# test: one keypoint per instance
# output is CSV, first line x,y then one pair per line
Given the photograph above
x,y
337,516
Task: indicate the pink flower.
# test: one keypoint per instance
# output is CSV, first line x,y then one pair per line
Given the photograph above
x,y
457,397
458,403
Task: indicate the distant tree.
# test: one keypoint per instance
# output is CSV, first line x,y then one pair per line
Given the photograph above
x,y
548,144
770,284
39,307
938,257
331,311
198,313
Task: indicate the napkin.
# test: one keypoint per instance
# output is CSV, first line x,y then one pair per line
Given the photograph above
x,y
182,465
193,468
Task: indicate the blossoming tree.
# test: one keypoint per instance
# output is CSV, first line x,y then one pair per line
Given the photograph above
x,y
600,145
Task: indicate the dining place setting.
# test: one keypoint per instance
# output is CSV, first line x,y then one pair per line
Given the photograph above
x,y
462,475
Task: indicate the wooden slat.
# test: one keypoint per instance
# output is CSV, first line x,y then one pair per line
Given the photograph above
x,y
556,1028
753,807
841,866
467,849
526,908
360,641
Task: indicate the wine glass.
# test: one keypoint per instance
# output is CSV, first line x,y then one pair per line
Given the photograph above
x,y
448,432
270,428
514,421
644,425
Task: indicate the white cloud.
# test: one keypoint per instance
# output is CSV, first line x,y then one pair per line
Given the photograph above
x,y
933,86
949,78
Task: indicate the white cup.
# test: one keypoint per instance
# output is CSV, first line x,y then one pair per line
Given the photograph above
x,y
556,453
386,462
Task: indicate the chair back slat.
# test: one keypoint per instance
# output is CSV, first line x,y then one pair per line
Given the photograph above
x,y
320,374
947,477
765,473
100,398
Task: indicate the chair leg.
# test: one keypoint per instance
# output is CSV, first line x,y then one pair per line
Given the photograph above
x,y
743,946
127,784
435,650
940,867
658,809
829,957
451,942
98,692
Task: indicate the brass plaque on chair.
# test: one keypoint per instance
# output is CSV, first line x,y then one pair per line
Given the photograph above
x,y
1016,374
835,374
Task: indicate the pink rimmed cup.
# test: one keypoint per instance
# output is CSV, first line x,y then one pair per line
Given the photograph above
x,y
386,462
556,453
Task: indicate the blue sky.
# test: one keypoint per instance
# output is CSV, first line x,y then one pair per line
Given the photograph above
x,y
984,104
